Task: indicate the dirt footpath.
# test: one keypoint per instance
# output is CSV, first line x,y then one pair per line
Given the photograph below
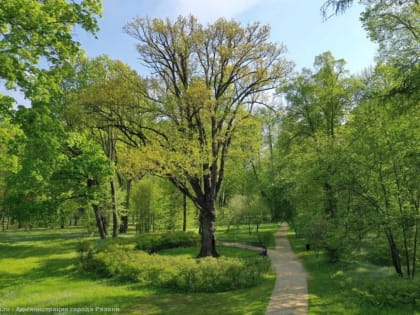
x,y
290,294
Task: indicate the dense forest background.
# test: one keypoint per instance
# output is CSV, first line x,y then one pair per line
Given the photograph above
x,y
223,124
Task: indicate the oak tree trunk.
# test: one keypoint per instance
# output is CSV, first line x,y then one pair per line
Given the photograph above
x,y
208,228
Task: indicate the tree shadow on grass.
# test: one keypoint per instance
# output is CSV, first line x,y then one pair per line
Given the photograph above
x,y
150,301
47,235
66,268
140,299
20,251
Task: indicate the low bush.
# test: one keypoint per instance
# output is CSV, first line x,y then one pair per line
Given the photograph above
x,y
85,250
153,243
377,252
390,292
266,239
221,274
178,273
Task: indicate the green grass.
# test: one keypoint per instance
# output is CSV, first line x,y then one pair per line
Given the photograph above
x,y
241,234
41,269
191,252
332,287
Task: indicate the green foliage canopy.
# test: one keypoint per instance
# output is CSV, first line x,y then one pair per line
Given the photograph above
x,y
36,41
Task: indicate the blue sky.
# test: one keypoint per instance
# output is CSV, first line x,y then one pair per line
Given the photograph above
x,y
296,23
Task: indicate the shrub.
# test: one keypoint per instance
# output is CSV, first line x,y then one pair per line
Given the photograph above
x,y
100,257
153,243
221,274
377,252
266,239
85,250
178,273
390,292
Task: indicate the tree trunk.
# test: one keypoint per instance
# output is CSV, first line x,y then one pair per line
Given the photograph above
x,y
127,204
124,217
184,217
331,201
404,225
100,218
208,228
3,219
395,255
100,222
62,220
124,224
115,226
413,270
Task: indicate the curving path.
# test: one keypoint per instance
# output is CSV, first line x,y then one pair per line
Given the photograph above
x,y
241,245
290,294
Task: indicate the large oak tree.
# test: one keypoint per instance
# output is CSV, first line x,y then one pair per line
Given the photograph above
x,y
204,83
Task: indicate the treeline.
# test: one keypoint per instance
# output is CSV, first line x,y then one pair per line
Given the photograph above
x,y
335,154
349,150
96,128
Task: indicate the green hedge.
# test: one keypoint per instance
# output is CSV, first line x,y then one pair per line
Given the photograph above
x,y
153,243
178,273
221,274
266,239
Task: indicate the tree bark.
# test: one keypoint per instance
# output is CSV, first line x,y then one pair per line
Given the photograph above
x,y
3,219
100,223
395,255
124,217
413,270
100,218
208,228
115,226
184,217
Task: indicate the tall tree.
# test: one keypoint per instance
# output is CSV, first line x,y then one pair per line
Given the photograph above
x,y
319,103
393,24
8,161
383,163
383,133
205,82
54,166
30,197
35,32
101,95
334,7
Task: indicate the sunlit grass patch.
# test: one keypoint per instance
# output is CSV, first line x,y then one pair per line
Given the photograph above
x,y
42,269
242,234
343,288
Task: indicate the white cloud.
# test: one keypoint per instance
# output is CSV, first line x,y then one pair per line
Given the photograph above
x,y
208,11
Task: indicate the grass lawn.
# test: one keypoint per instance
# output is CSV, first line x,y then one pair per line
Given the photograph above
x,y
40,269
241,234
333,287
